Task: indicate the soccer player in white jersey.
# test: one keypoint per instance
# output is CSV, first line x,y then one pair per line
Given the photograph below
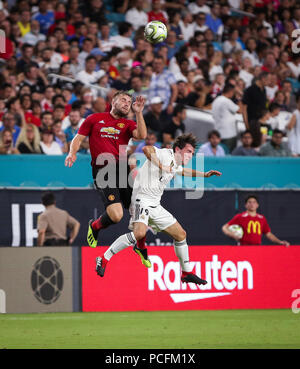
x,y
157,171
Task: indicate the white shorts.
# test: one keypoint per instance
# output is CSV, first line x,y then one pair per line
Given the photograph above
x,y
158,218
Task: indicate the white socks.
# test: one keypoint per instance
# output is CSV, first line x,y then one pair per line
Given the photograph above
x,y
120,244
182,252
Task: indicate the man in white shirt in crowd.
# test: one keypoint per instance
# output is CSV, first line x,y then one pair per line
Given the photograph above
x,y
34,35
212,147
198,6
124,37
153,177
136,16
89,75
224,114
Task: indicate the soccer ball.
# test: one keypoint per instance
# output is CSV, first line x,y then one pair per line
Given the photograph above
x,y
155,32
237,230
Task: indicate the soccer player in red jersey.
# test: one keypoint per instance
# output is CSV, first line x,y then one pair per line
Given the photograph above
x,y
109,134
253,224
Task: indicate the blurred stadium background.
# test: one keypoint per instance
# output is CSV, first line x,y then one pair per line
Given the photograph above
x,y
251,300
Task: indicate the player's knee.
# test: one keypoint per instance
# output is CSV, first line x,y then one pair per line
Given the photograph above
x,y
181,236
116,216
139,234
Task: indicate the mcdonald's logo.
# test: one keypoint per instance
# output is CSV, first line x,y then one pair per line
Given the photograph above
x,y
255,226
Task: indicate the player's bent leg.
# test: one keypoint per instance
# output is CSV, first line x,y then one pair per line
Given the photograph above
x,y
115,212
112,215
182,252
118,245
140,230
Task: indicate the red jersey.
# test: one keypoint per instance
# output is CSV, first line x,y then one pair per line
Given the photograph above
x,y
253,227
153,16
106,134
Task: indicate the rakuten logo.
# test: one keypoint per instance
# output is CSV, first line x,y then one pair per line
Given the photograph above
x,y
221,277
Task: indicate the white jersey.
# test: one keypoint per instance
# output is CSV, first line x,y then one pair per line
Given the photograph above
x,y
151,182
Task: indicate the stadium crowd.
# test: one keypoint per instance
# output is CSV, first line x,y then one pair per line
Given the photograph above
x,y
226,57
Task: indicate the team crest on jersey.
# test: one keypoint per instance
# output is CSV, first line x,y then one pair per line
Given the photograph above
x,y
121,125
111,197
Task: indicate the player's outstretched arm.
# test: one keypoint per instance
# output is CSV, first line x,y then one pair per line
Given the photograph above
x,y
150,154
74,147
188,172
140,133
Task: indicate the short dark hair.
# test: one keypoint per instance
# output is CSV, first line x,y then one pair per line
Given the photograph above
x,y
178,109
276,131
247,131
48,198
183,140
228,87
214,132
273,106
251,197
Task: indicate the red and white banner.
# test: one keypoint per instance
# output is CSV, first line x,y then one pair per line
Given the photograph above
x,y
245,277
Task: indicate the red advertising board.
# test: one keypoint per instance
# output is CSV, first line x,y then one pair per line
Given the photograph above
x,y
246,277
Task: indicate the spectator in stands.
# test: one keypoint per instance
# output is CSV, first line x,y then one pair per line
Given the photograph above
x,y
75,65
47,144
274,110
72,130
34,35
6,143
246,72
200,96
255,99
34,78
26,58
9,121
275,147
89,75
260,129
163,84
293,129
156,117
212,147
224,114
44,16
137,16
246,148
137,88
198,6
187,25
272,87
29,140
46,119
94,10
157,13
123,39
151,140
232,44
59,136
213,20
290,99
24,22
254,225
53,224
176,126
123,81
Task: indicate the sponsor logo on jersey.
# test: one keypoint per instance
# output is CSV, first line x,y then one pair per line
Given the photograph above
x,y
101,121
255,226
110,130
